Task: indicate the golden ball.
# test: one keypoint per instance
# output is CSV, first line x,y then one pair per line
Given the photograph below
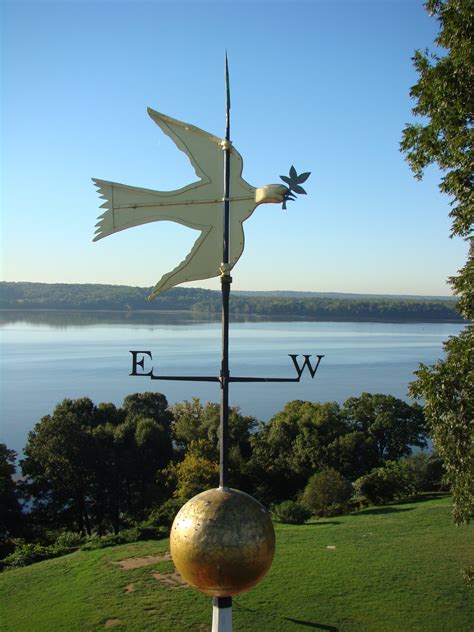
x,y
222,542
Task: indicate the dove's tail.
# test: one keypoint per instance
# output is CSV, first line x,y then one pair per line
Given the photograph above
x,y
127,206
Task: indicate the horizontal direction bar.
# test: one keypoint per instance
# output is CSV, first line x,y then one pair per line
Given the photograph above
x,y
186,378
264,379
203,378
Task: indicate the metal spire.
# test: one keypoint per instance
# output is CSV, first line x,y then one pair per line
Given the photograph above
x,y
226,280
226,147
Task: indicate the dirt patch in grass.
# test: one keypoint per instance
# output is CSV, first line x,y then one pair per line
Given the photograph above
x,y
172,580
137,562
111,622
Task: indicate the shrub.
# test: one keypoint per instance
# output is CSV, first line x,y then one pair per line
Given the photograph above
x,y
164,515
69,539
95,541
425,471
327,493
127,536
384,484
28,553
145,531
290,512
194,474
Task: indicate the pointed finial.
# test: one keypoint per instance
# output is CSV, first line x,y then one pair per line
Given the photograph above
x,y
227,90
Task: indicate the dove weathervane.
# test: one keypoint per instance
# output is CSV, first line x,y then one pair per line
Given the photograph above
x,y
211,551
197,205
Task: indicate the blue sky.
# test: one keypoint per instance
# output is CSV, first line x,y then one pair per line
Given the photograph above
x,y
322,85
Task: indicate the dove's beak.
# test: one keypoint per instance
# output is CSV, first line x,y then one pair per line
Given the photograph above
x,y
271,193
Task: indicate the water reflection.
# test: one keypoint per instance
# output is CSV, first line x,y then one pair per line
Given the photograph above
x,y
59,319
64,319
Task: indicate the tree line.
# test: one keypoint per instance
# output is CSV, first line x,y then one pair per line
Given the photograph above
x,y
95,470
65,296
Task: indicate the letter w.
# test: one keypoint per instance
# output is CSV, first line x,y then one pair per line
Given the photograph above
x,y
306,363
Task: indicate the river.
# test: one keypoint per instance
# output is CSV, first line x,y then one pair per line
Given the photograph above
x,y
47,356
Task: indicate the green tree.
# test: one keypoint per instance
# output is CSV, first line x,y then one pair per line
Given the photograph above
x,y
124,485
443,96
107,413
195,473
94,468
448,390
425,471
354,454
194,422
58,467
294,444
391,425
140,448
10,512
149,405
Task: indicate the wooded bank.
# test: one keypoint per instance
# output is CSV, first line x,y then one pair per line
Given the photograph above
x,y
65,296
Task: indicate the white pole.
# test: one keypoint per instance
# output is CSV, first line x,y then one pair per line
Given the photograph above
x,y
222,614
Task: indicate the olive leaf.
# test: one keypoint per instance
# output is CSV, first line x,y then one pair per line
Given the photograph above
x,y
293,180
304,176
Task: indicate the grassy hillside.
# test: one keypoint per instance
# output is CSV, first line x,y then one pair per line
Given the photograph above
x,y
388,569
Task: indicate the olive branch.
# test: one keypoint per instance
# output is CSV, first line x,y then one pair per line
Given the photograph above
x,y
293,181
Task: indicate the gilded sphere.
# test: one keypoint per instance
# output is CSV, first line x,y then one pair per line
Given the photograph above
x,y
222,542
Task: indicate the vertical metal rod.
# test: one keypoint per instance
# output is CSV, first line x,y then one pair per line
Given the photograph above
x,y
225,253
222,606
224,420
226,280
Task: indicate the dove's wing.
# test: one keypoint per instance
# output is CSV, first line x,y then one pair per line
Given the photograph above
x,y
204,150
202,262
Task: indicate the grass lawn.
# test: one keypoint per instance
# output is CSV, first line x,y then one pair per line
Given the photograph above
x,y
394,568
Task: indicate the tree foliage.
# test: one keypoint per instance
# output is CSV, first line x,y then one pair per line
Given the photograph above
x,y
151,405
443,96
327,493
384,484
198,424
10,513
425,471
92,468
448,390
195,473
291,446
391,425
307,437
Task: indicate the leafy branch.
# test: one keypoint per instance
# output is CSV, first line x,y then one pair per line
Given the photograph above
x,y
294,181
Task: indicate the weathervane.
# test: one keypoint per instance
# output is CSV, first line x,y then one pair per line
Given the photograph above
x,y
222,541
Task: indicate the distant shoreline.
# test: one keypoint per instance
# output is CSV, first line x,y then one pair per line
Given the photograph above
x,y
200,303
